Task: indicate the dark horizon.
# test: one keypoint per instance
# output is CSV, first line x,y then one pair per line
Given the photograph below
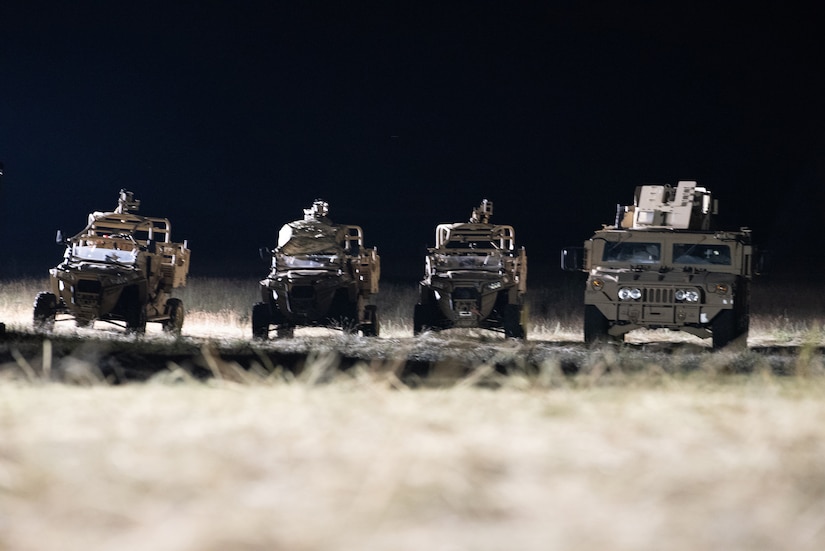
x,y
229,120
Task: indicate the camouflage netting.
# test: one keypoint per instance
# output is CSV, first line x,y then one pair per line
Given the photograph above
x,y
309,237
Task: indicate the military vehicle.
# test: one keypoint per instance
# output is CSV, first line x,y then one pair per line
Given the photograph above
x,y
121,267
321,275
2,325
474,277
662,265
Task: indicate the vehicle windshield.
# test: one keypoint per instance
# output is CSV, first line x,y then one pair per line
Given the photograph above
x,y
92,253
312,261
694,253
481,244
633,252
468,261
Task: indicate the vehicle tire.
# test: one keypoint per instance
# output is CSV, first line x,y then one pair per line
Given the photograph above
x,y
174,309
285,331
421,319
343,312
135,315
743,324
513,327
45,311
428,316
595,326
730,329
260,321
83,322
371,328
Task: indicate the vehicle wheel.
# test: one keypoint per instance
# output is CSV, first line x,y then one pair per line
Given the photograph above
x,y
135,316
82,322
730,329
371,327
260,321
595,326
45,311
743,323
513,327
174,308
423,318
343,313
286,331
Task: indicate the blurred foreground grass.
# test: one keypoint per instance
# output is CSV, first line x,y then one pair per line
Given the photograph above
x,y
644,461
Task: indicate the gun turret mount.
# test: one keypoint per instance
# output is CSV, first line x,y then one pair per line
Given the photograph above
x,y
318,211
687,206
482,213
127,203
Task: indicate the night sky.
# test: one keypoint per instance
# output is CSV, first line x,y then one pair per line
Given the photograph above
x,y
230,117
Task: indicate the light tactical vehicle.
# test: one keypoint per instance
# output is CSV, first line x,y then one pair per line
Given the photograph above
x,y
662,265
474,277
121,267
321,275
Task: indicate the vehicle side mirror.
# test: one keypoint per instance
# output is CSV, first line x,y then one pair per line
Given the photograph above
x,y
59,238
265,254
572,259
763,261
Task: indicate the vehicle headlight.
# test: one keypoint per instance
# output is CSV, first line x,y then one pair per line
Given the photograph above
x,y
722,288
597,284
630,293
686,295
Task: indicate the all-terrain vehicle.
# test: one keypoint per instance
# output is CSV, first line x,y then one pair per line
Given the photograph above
x,y
321,275
662,265
474,277
121,267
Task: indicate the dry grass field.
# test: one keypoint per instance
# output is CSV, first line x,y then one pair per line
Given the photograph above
x,y
618,459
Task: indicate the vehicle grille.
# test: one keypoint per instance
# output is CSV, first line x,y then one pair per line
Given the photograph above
x,y
658,295
88,286
87,293
304,292
465,293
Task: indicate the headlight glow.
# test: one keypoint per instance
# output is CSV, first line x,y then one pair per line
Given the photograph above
x,y
722,288
686,295
630,293
597,284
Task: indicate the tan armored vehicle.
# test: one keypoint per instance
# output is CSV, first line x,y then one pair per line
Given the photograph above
x,y
120,268
321,275
474,277
661,265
